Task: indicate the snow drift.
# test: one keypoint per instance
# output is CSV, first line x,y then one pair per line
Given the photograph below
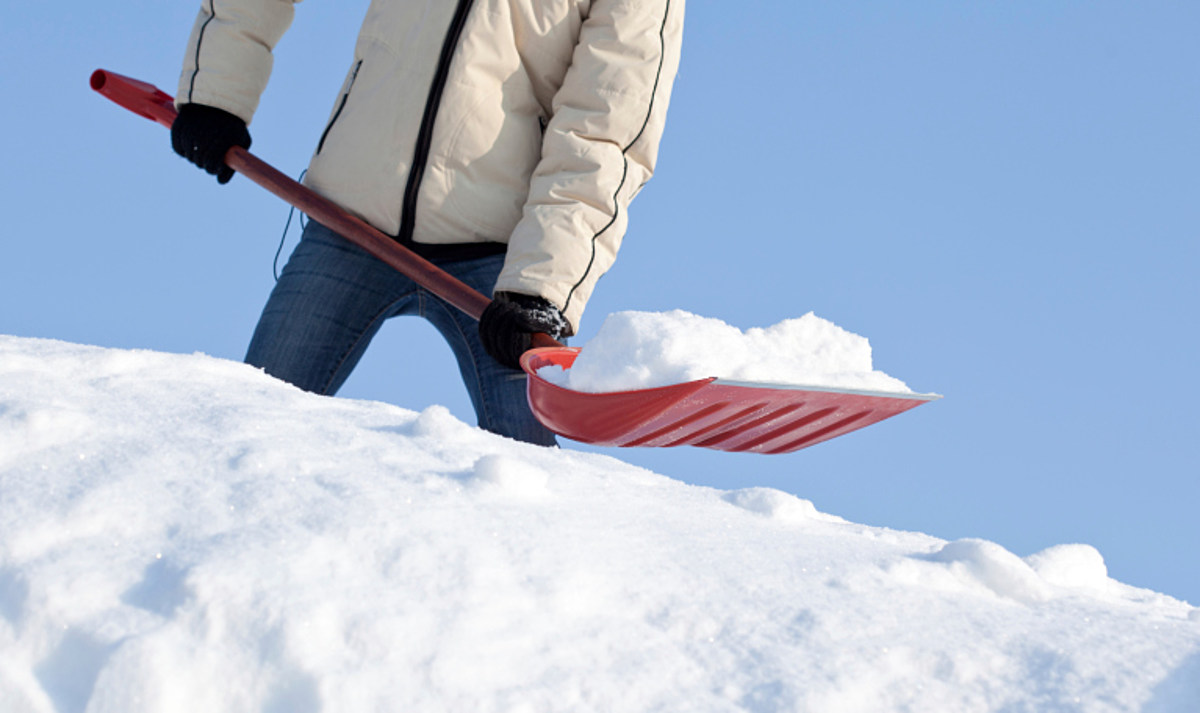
x,y
181,533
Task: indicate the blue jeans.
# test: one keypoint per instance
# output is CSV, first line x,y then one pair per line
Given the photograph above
x,y
333,297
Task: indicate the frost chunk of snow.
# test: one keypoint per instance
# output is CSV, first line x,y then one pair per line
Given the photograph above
x,y
1071,566
511,475
777,505
995,568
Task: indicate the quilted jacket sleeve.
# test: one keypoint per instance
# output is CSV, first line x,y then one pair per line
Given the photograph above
x,y
228,58
599,149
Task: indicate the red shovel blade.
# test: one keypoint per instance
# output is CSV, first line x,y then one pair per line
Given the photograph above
x,y
709,413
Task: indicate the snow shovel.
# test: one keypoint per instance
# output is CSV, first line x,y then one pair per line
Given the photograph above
x,y
709,413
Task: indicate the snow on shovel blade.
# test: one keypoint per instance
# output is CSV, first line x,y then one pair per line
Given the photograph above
x,y
708,413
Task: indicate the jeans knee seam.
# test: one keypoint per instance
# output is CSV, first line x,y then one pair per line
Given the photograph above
x,y
484,401
358,340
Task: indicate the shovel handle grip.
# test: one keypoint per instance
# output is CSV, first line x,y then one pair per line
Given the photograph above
x,y
146,100
142,98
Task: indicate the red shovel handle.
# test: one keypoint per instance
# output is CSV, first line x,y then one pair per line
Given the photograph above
x,y
146,100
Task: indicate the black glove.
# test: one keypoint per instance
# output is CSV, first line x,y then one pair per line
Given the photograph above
x,y
508,324
202,134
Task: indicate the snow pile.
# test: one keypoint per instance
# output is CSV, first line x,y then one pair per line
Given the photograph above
x,y
179,533
637,350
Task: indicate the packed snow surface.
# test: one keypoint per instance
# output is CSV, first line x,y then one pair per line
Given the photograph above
x,y
181,533
638,350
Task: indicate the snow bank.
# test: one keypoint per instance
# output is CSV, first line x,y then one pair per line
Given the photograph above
x,y
179,533
635,350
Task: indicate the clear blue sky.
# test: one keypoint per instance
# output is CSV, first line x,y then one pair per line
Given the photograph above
x,y
1003,197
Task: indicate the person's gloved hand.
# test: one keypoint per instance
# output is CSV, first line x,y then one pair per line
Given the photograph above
x,y
508,324
203,134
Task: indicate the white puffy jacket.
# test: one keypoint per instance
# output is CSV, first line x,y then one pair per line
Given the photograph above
x,y
527,122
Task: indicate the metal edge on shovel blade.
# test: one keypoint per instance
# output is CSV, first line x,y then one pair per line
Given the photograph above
x,y
708,413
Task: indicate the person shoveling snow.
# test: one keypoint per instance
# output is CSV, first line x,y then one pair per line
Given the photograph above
x,y
721,414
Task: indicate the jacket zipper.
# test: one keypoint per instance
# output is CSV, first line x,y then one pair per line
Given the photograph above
x,y
342,105
408,213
